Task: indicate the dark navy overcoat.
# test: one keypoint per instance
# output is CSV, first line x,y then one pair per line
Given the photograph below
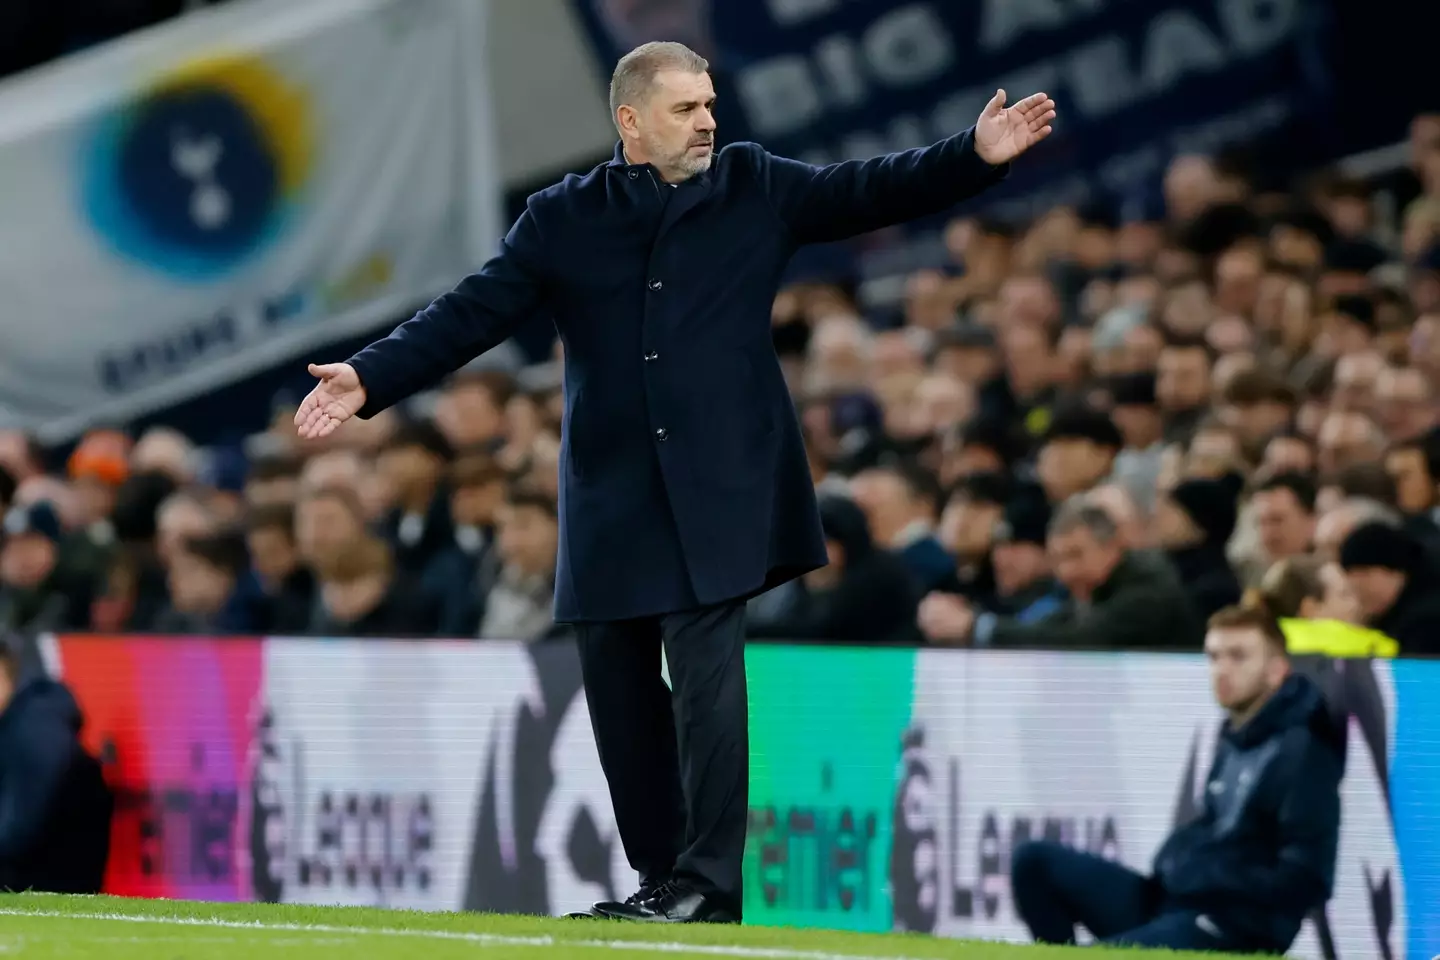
x,y
683,478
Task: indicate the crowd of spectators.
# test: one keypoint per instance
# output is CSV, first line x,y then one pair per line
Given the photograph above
x,y
1088,430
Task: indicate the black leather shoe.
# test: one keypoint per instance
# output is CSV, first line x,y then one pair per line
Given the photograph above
x,y
674,903
604,909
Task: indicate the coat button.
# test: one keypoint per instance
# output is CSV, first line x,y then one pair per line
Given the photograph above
x,y
662,434
656,285
634,174
652,355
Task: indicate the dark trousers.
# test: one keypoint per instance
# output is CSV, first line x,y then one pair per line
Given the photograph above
x,y
677,760
1056,887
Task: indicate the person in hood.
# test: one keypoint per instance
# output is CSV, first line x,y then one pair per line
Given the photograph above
x,y
1397,591
54,806
864,595
1194,522
1242,875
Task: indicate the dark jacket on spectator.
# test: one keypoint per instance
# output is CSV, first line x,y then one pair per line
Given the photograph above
x,y
1141,605
54,806
1261,855
1413,620
288,610
874,602
1208,578
684,477
930,564
460,579
417,540
56,604
243,613
406,610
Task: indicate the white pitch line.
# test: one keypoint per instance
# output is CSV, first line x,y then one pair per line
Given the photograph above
x,y
484,939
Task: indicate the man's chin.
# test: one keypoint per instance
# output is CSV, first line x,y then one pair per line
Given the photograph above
x,y
694,165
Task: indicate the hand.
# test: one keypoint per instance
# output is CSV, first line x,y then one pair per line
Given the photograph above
x,y
336,398
1002,134
945,618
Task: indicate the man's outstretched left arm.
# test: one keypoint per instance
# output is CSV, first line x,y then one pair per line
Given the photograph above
x,y
823,204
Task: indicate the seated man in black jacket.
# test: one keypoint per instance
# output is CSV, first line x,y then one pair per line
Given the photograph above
x,y
1241,876
54,806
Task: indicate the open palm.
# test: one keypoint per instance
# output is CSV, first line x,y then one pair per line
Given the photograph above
x,y
336,398
1003,133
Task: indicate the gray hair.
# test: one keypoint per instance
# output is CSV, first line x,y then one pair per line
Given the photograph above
x,y
1081,512
635,73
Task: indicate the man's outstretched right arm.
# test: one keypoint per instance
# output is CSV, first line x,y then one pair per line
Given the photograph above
x,y
480,313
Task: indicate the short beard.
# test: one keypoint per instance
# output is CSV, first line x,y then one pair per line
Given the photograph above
x,y
688,166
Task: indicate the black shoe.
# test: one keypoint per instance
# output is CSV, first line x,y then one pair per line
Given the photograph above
x,y
605,909
674,903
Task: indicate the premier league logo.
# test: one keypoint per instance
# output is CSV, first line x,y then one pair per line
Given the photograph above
x,y
200,172
915,851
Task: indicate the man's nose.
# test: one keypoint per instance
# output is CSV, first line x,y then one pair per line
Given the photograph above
x,y
705,121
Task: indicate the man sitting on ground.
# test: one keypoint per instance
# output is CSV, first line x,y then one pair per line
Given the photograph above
x,y
1241,876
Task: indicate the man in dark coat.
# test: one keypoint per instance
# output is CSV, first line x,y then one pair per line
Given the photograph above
x,y
1242,875
54,806
684,483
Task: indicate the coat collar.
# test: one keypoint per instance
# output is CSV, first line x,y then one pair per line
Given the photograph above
x,y
618,162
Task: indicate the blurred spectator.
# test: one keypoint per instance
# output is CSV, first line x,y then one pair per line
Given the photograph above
x,y
98,468
329,523
461,577
1024,586
1136,414
1397,592
1131,522
1414,465
182,516
1257,404
272,481
1193,523
33,594
1182,386
414,461
21,455
363,594
519,605
865,595
210,591
1118,598
471,410
286,587
55,809
1336,523
1078,452
167,451
1319,612
1284,517
901,506
967,532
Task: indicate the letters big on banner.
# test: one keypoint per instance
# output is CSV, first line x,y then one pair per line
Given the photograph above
x,y
826,80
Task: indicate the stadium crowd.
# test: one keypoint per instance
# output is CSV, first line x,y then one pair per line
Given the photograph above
x,y
1090,430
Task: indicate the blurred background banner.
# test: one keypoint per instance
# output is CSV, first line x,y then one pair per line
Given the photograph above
x,y
232,189
826,80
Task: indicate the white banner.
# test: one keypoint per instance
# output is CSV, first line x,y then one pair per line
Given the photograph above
x,y
374,757
196,202
1104,753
